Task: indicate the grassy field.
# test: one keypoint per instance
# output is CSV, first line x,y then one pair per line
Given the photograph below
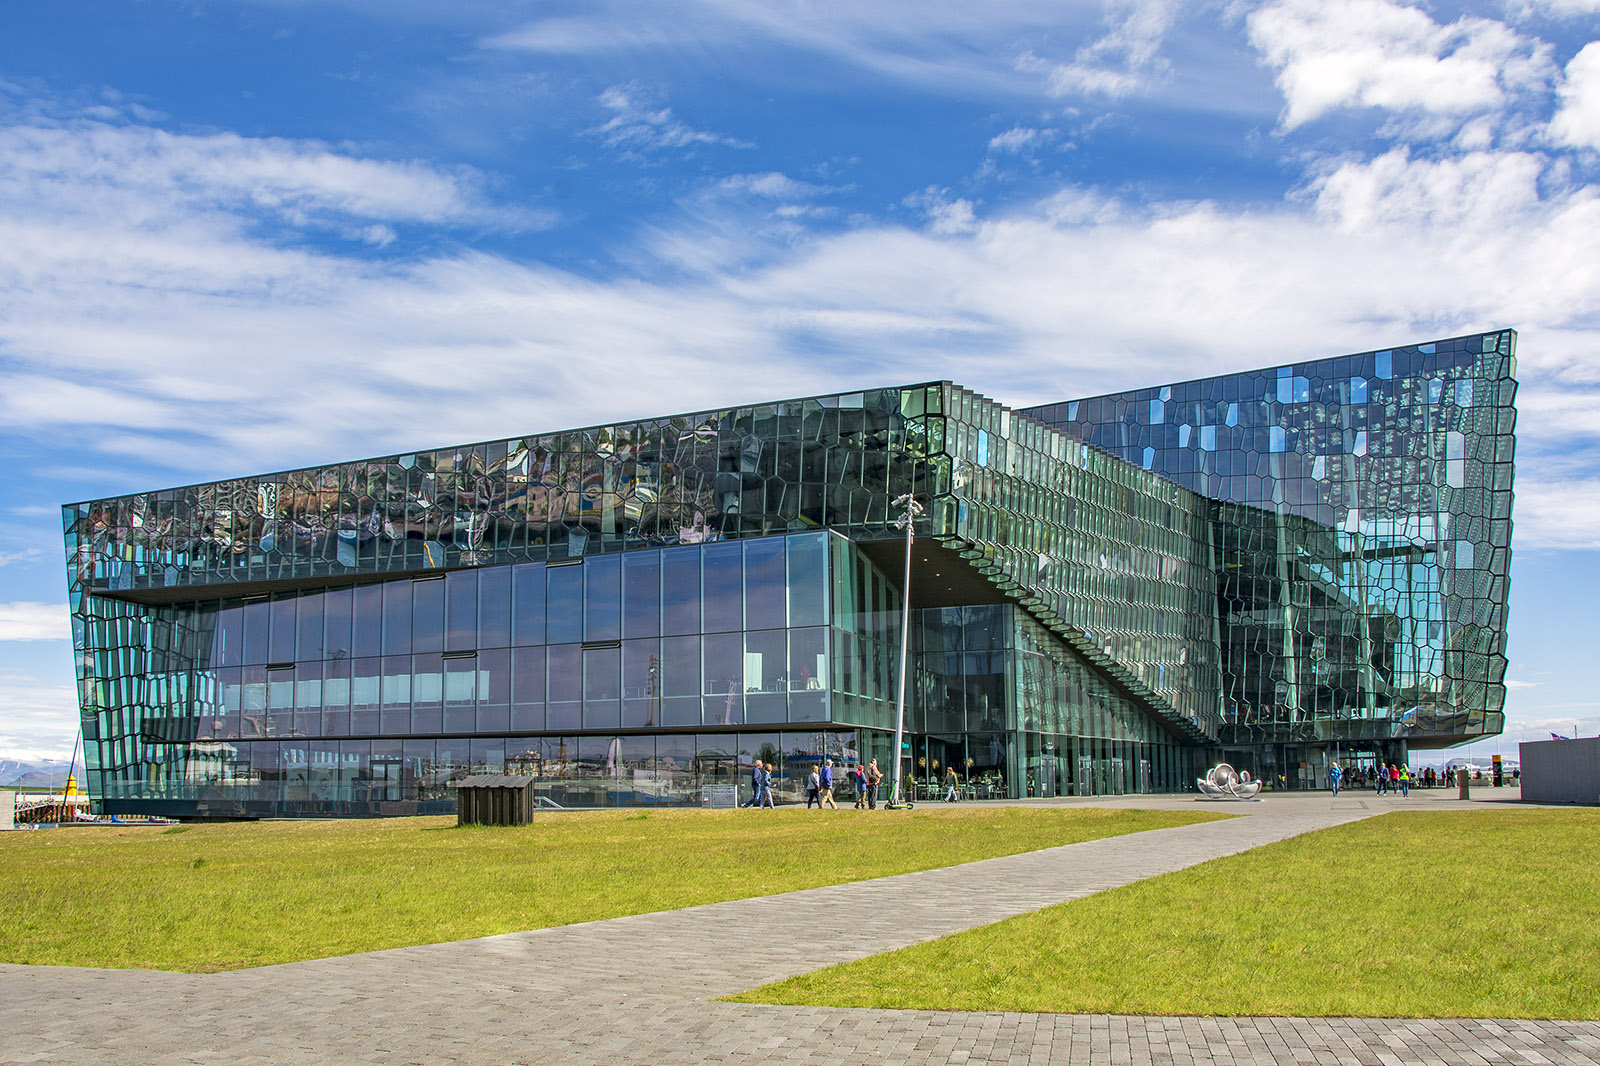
x,y
218,897
1462,914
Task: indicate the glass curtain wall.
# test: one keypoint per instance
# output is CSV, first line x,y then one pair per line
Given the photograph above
x,y
1014,712
260,698
1361,535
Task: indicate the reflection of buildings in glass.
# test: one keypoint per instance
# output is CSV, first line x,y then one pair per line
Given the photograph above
x,y
1280,566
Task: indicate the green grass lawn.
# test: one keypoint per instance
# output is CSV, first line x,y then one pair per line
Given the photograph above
x,y
1459,914
223,896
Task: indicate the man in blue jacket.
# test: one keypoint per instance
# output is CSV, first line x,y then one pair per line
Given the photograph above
x,y
827,785
755,785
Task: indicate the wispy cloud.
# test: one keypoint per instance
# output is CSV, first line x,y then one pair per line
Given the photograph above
x,y
1019,139
948,45
40,719
640,127
1123,60
147,173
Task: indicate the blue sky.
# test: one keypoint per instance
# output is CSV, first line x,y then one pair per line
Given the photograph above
x,y
239,236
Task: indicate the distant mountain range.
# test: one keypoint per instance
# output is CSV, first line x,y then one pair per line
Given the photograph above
x,y
15,773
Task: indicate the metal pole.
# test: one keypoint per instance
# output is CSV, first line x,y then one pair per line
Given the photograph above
x,y
906,520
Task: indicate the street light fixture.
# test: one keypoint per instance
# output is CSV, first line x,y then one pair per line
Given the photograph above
x,y
909,510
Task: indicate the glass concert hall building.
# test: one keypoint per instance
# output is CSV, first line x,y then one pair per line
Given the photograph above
x,y
1278,568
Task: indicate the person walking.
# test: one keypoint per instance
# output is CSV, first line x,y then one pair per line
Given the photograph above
x,y
1334,776
858,778
1394,778
952,786
1380,780
814,789
874,776
1405,781
755,785
827,786
766,787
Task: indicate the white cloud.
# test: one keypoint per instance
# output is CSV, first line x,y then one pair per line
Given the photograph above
x,y
38,720
1333,54
264,357
1577,123
1553,8
26,555
1016,140
1557,514
946,216
1125,58
636,126
147,174
772,185
949,44
34,621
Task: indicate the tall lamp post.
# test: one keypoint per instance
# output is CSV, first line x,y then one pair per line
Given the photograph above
x,y
910,509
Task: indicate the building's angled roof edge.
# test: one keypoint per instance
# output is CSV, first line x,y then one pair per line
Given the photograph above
x,y
1260,369
389,456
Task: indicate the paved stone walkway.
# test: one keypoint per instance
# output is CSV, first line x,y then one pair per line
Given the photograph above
x,y
638,990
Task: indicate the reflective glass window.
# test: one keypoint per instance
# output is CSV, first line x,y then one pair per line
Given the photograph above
x,y
227,645
602,598
807,674
280,630
367,621
308,699
527,604
487,756
680,680
807,584
427,615
565,685
461,610
641,594
494,607
724,587
309,628
427,693
765,675
493,689
724,679
602,687
336,697
641,682
460,695
366,676
563,609
765,591
255,632
680,591
527,688
396,695
397,618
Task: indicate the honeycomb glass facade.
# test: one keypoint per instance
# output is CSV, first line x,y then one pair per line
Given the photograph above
x,y
1107,594
1361,538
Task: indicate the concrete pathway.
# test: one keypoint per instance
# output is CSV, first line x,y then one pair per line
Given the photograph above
x,y
638,990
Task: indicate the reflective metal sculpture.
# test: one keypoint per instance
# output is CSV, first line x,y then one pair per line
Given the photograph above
x,y
1224,782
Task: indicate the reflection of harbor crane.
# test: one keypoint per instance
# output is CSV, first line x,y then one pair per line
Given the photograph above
x,y
654,689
